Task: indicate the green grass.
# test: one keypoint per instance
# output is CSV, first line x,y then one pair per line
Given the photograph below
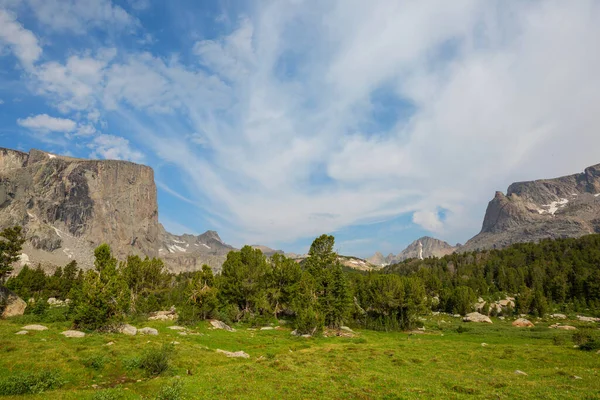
x,y
441,363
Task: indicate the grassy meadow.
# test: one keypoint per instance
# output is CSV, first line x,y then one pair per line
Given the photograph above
x,y
476,361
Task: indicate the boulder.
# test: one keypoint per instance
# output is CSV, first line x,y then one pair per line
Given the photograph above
x,y
558,316
477,317
267,328
14,305
34,328
127,329
148,331
221,325
73,334
518,372
177,328
235,354
522,323
169,315
588,319
22,333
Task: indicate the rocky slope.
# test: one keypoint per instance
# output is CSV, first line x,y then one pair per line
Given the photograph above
x,y
69,206
568,206
421,248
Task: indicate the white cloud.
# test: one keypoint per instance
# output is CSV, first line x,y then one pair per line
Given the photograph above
x,y
287,103
23,42
46,123
79,16
114,148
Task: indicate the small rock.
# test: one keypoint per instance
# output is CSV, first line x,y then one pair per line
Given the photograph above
x,y
178,328
522,323
566,327
576,377
22,333
73,334
148,331
501,318
484,344
109,343
558,316
294,332
345,328
34,328
588,319
94,386
519,372
306,336
182,333
221,325
266,328
174,342
236,354
127,329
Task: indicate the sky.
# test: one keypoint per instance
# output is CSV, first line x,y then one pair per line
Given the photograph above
x,y
273,122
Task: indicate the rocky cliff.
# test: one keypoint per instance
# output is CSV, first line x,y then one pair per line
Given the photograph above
x,y
563,207
421,248
69,206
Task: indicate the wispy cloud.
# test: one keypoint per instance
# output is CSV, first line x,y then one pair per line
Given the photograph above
x,y
306,117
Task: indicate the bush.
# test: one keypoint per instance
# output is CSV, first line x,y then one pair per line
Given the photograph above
x,y
174,391
131,363
31,383
94,362
587,340
156,361
462,329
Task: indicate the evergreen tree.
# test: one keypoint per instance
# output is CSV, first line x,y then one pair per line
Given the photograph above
x,y
11,243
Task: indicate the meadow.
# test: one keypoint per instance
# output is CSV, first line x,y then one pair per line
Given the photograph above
x,y
450,359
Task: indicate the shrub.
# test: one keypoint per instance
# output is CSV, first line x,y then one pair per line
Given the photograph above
x,y
156,361
30,383
174,391
462,329
131,363
109,394
94,362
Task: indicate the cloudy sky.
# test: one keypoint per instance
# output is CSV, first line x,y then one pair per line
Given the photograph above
x,y
275,121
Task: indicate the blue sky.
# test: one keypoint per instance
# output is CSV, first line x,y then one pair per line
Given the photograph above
x,y
275,121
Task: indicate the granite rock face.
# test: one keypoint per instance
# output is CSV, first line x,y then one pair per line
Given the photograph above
x,y
69,206
563,207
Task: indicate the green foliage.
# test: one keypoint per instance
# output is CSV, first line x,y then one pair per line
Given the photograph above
x,y
587,339
108,394
104,296
30,383
461,301
156,361
173,391
95,361
11,242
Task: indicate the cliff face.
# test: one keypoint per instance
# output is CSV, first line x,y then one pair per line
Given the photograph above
x,y
69,206
568,206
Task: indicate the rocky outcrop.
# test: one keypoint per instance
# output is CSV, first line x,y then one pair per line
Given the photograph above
x,y
69,206
421,248
476,317
11,305
563,207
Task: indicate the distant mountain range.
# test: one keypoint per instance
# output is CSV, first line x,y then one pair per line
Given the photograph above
x,y
69,206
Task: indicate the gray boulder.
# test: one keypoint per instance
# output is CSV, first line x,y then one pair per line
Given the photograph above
x,y
35,328
221,325
22,333
234,354
127,329
148,331
477,317
13,304
73,334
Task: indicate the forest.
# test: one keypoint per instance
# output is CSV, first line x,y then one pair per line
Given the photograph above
x,y
553,275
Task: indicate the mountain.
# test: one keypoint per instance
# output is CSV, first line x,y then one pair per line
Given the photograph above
x,y
563,207
69,206
267,251
421,248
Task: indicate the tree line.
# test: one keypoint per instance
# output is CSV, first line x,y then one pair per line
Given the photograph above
x,y
317,292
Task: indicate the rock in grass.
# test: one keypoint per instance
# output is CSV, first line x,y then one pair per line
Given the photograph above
x,y
563,327
267,328
128,329
522,323
221,325
588,319
73,334
519,372
148,331
558,316
35,328
22,333
345,328
178,328
476,317
13,304
235,354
